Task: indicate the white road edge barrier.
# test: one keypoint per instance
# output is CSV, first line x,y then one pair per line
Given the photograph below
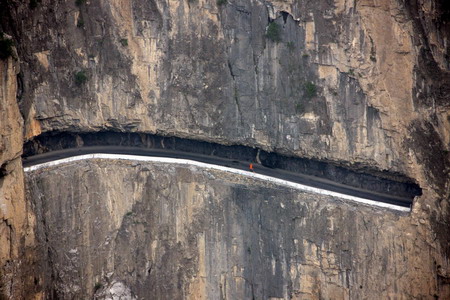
x,y
188,162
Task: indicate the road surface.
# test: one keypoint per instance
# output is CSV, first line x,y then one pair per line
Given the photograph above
x,y
259,171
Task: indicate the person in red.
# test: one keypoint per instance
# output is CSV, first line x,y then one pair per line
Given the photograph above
x,y
251,168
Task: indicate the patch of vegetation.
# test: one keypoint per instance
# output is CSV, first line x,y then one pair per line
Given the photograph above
x,y
310,89
351,72
34,3
221,2
274,32
305,55
291,46
300,108
124,42
80,78
6,47
129,213
80,2
97,286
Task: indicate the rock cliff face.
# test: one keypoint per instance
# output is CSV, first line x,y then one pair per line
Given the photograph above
x,y
16,219
334,80
354,82
153,231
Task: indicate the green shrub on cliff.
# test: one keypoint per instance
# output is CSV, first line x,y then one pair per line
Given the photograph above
x,y
221,2
80,78
6,47
274,32
300,108
310,89
124,42
97,286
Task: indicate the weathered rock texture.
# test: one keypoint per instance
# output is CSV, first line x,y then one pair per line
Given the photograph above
x,y
197,69
16,221
355,82
349,81
152,231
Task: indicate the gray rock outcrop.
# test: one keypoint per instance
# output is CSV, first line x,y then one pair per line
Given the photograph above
x,y
363,84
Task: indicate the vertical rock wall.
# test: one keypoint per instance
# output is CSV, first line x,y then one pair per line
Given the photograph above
x,y
362,83
16,219
336,81
156,231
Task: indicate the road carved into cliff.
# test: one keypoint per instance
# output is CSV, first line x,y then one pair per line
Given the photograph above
x,y
281,177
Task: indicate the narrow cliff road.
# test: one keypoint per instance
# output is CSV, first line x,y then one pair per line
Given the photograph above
x,y
279,176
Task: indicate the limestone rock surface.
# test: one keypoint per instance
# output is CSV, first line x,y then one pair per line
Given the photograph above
x,y
337,81
359,83
354,82
16,220
155,231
